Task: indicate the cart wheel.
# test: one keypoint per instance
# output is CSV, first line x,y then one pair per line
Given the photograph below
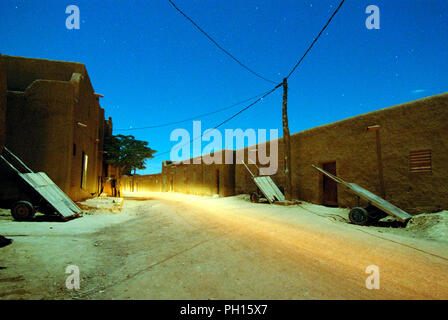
x,y
254,197
358,216
22,210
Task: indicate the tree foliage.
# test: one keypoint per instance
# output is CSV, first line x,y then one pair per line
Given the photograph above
x,y
127,153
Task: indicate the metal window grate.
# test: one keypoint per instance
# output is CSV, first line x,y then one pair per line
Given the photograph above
x,y
420,161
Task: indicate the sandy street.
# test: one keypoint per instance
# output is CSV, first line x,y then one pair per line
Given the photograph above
x,y
174,246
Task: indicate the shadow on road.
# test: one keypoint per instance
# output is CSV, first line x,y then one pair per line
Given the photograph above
x,y
138,198
4,241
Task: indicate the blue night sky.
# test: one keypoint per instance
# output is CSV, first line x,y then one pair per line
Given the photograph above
x,y
153,66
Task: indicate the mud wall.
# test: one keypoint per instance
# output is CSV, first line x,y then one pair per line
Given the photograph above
x,y
86,127
53,119
23,71
200,178
414,126
144,183
38,130
418,125
196,178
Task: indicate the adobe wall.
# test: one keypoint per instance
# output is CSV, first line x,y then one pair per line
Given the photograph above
x,y
200,178
417,125
52,122
143,183
413,126
86,125
2,104
38,130
23,71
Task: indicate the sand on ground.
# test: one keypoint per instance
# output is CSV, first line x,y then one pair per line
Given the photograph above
x,y
176,246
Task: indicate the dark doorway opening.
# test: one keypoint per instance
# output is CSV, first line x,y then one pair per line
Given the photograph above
x,y
217,182
330,187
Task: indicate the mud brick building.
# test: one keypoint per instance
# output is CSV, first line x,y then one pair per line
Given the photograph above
x,y
413,140
198,177
54,122
414,152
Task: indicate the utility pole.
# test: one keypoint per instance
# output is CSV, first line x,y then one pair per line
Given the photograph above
x,y
286,143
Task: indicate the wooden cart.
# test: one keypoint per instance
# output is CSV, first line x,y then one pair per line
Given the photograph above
x,y
24,191
377,208
267,187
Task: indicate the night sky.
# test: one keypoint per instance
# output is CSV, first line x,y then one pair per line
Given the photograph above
x,y
154,67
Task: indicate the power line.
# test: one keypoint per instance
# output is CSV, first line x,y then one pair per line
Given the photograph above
x,y
218,45
167,124
227,120
315,39
250,105
267,93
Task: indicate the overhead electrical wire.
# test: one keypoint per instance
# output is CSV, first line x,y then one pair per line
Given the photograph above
x,y
267,93
227,120
167,124
315,39
250,105
218,45
211,39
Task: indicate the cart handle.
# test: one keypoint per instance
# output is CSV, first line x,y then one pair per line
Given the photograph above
x,y
248,169
338,180
255,166
17,159
9,164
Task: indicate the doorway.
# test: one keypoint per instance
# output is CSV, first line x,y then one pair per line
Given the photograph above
x,y
217,182
330,187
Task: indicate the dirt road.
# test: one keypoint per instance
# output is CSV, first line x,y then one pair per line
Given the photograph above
x,y
172,246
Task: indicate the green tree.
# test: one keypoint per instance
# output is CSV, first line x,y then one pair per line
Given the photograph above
x,y
127,153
